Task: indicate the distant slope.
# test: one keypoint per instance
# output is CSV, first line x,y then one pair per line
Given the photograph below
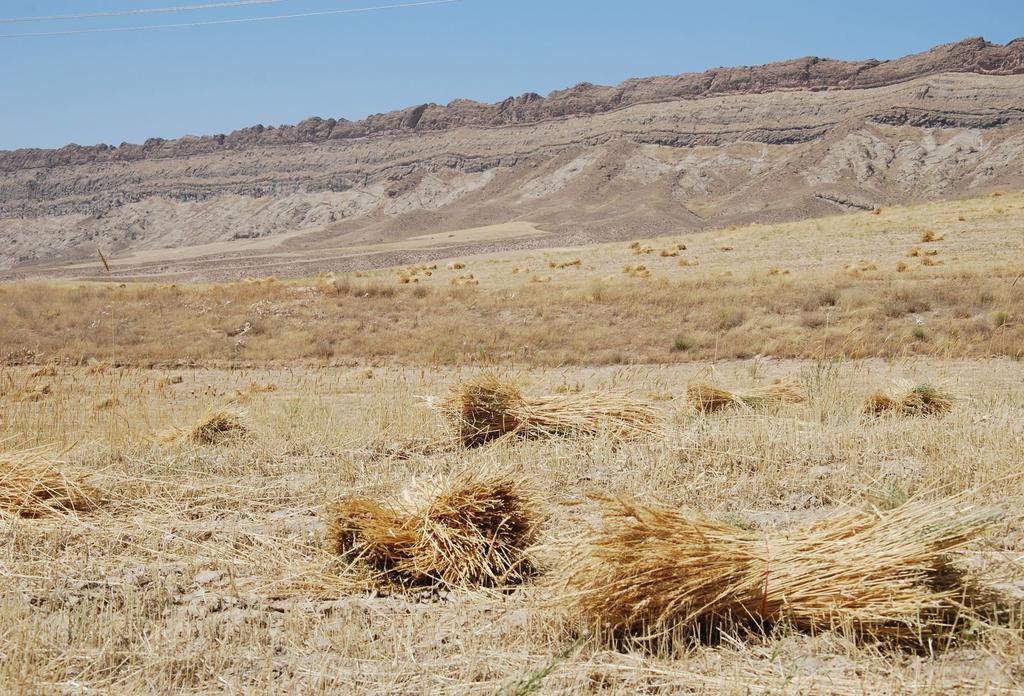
x,y
731,145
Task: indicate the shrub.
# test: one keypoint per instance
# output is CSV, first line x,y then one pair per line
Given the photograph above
x,y
813,319
817,298
732,318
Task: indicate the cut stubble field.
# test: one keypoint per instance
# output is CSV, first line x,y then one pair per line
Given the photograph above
x,y
206,567
204,559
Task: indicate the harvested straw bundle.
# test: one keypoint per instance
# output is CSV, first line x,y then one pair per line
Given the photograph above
x,y
919,400
474,530
218,426
31,393
96,367
648,570
708,398
490,406
31,486
879,402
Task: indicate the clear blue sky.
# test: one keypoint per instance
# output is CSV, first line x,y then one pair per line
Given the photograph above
x,y
125,87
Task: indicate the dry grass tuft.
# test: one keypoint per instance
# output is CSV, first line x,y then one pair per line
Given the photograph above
x,y
648,569
410,448
473,530
32,486
490,406
218,426
45,371
31,393
708,398
862,266
465,279
565,264
96,367
919,400
636,271
105,404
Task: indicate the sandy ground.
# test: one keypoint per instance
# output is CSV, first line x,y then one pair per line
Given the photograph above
x,y
232,260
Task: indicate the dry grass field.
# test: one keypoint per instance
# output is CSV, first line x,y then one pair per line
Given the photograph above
x,y
200,560
855,286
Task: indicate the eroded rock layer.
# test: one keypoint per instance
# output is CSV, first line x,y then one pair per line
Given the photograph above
x,y
655,155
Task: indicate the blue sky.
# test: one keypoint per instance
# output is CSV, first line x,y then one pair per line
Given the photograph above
x,y
126,87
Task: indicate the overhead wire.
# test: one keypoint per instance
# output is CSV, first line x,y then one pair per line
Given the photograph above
x,y
140,11
241,20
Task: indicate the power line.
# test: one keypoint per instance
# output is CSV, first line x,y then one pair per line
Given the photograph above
x,y
110,30
150,10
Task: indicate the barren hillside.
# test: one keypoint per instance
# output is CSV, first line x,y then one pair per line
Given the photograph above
x,y
650,156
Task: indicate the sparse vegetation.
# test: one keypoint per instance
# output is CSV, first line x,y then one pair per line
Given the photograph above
x,y
370,316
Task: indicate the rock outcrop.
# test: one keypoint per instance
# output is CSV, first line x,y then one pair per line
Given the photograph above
x,y
780,141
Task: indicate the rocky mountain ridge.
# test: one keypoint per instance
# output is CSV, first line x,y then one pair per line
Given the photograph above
x,y
651,155
974,55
